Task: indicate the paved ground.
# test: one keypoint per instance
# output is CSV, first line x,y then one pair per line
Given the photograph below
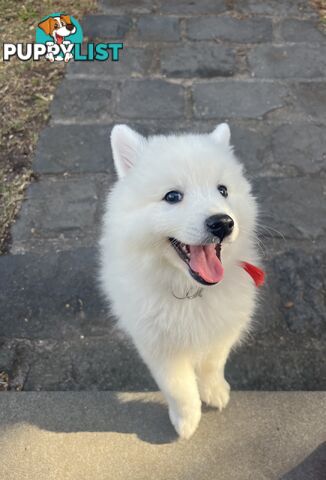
x,y
128,436
186,66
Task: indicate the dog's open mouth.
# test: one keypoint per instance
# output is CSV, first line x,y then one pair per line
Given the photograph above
x,y
59,39
204,261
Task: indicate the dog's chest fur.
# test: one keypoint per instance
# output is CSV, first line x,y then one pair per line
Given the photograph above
x,y
152,312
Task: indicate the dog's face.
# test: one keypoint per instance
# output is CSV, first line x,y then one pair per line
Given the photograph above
x,y
182,198
58,27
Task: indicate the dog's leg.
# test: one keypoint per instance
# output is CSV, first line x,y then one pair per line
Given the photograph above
x,y
177,381
67,54
50,55
214,390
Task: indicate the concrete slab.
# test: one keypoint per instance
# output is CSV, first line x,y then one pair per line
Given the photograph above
x,y
108,435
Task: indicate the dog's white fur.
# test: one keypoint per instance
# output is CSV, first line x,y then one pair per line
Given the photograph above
x,y
185,343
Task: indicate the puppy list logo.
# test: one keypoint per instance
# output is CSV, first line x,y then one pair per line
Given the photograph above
x,y
59,38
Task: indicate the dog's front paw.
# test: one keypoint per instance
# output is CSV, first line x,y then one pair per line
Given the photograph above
x,y
50,57
215,393
68,57
186,422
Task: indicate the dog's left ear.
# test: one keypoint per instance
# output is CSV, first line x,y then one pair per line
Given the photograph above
x,y
126,145
66,18
222,134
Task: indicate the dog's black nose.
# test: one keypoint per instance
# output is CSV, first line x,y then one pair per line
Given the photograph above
x,y
220,225
70,27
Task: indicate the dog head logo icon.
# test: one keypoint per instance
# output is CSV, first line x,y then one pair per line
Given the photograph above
x,y
58,27
59,32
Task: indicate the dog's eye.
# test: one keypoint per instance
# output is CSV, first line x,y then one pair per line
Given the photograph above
x,y
223,190
173,197
56,25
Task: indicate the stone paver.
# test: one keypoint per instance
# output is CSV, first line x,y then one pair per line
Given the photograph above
x,y
202,60
185,7
82,100
230,29
106,27
158,28
66,308
296,8
121,6
82,149
167,99
290,144
292,209
293,30
62,207
269,61
136,62
185,66
128,436
235,99
310,99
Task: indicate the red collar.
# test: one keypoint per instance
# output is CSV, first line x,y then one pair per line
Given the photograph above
x,y
256,273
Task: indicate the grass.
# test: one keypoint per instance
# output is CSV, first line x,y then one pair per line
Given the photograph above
x,y
26,90
320,5
4,381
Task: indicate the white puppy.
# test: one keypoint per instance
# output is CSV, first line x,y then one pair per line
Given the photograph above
x,y
178,226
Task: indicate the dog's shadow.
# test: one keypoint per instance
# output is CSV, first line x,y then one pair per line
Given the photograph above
x,y
96,412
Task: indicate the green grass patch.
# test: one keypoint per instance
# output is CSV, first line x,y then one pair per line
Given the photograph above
x,y
26,90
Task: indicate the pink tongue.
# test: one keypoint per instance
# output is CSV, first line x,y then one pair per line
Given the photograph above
x,y
59,39
204,261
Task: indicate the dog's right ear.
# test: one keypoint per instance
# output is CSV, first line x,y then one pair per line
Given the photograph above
x,y
126,144
222,134
46,25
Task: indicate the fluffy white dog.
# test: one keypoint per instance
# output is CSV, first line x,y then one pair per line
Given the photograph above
x,y
177,250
